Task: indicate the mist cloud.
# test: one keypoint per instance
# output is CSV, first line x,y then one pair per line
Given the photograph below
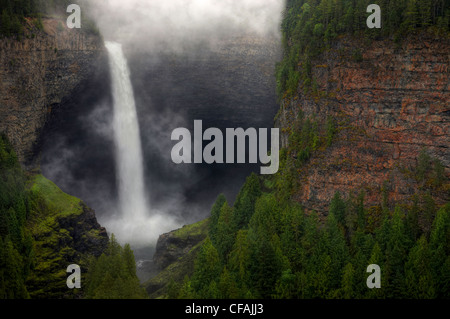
x,y
173,25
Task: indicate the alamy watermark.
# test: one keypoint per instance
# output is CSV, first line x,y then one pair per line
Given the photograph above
x,y
213,152
74,280
374,20
374,280
74,20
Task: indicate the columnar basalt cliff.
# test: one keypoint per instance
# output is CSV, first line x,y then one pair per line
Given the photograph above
x,y
37,72
390,101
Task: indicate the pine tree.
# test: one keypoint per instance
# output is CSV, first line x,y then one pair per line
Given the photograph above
x,y
396,253
207,269
215,213
291,234
337,208
418,277
377,258
440,252
225,232
5,23
287,285
412,220
411,15
227,286
347,290
265,264
244,206
337,249
113,274
239,257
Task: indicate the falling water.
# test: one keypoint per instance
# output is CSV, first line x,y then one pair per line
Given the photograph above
x,y
132,199
136,224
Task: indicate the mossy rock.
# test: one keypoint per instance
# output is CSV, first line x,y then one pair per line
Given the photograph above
x,y
65,232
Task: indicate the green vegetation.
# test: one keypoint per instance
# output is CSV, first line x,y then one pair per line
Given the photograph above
x,y
54,223
192,230
55,198
42,231
16,245
29,233
13,14
266,245
310,26
167,283
168,280
281,252
113,275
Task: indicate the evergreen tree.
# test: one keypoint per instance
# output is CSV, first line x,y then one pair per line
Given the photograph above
x,y
225,232
244,207
291,234
207,270
215,214
378,259
348,282
419,280
412,220
287,285
440,252
337,249
239,257
113,274
337,208
227,288
397,248
5,23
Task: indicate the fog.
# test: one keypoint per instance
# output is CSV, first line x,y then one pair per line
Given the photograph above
x,y
201,59
179,25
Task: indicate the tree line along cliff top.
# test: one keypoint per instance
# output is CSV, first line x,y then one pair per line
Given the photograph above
x,y
310,26
14,15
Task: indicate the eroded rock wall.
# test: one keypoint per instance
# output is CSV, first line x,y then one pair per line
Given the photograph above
x,y
36,74
391,100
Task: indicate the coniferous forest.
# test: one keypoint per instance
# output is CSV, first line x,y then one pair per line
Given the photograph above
x,y
29,259
265,244
267,247
309,27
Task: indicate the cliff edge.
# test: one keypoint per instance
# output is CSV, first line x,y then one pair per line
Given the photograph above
x,y
37,73
388,101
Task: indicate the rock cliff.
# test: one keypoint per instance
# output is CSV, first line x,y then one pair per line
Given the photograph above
x,y
390,101
37,73
174,257
65,231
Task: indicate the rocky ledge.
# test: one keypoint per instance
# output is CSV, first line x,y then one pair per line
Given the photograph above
x,y
175,256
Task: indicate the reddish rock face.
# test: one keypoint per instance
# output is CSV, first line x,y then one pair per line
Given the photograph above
x,y
389,106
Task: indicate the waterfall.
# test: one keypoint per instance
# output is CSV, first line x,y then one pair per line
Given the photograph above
x,y
132,204
132,200
136,224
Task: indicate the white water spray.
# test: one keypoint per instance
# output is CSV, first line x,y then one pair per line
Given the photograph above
x,y
136,225
126,135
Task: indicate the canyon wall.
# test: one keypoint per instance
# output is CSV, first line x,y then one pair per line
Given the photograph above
x,y
390,101
36,73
